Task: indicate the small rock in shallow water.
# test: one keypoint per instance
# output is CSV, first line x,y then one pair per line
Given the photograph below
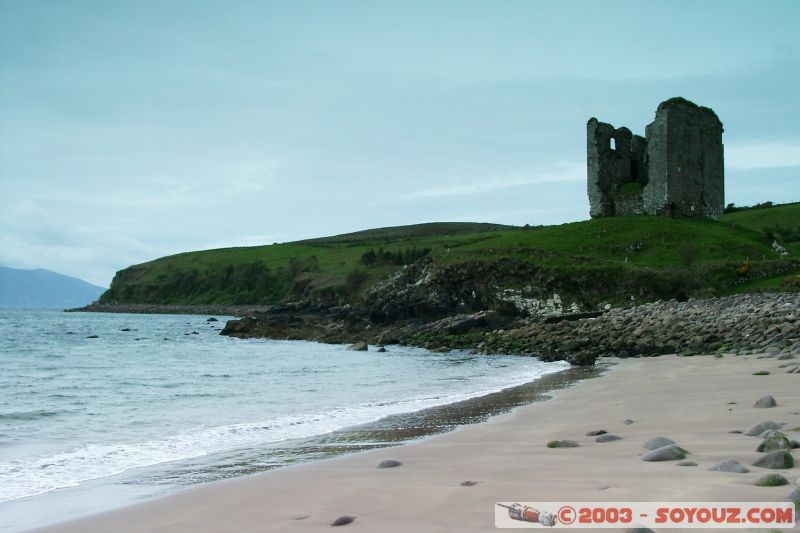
x,y
730,465
343,520
607,438
360,346
765,403
92,337
389,463
658,442
562,444
381,350
596,432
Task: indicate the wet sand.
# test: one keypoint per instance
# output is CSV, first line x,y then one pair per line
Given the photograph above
x,y
687,399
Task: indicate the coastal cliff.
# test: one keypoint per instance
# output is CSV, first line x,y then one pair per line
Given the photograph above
x,y
454,285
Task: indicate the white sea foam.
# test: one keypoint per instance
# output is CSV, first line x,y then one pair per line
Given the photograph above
x,y
29,476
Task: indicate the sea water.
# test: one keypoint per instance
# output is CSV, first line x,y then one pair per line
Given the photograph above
x,y
99,410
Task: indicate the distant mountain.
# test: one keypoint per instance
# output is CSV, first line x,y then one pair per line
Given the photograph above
x,y
43,289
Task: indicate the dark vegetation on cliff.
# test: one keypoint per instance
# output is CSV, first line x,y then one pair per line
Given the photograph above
x,y
592,262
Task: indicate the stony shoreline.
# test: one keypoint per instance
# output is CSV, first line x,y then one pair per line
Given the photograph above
x,y
156,309
766,323
742,324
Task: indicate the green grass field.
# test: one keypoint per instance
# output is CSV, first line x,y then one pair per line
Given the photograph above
x,y
278,273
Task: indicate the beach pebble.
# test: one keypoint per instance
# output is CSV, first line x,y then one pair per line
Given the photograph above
x,y
562,444
776,460
730,465
627,421
343,520
776,441
596,432
658,442
602,487
469,483
765,402
771,480
608,437
736,431
687,463
761,427
670,452
389,463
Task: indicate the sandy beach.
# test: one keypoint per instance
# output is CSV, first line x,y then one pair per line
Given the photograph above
x,y
695,401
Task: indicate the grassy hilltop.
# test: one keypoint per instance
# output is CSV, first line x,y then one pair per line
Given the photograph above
x,y
596,260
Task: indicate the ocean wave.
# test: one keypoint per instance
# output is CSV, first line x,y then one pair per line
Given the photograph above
x,y
35,414
36,475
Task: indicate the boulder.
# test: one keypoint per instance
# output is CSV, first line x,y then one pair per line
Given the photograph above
x,y
343,520
730,465
777,460
359,346
759,428
670,452
562,444
775,441
771,480
658,442
765,403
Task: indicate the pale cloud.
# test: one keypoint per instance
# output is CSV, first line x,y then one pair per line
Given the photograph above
x,y
762,154
561,172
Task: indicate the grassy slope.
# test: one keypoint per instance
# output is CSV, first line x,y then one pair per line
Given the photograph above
x,y
636,242
787,216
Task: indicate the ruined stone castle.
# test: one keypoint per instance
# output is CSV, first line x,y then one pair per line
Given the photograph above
x,y
676,170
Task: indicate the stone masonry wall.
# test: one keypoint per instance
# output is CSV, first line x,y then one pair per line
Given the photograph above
x,y
678,166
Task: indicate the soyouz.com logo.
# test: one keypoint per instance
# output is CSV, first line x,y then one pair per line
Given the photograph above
x,y
663,515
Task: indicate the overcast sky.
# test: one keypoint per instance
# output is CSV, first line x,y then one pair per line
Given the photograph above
x,y
133,129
